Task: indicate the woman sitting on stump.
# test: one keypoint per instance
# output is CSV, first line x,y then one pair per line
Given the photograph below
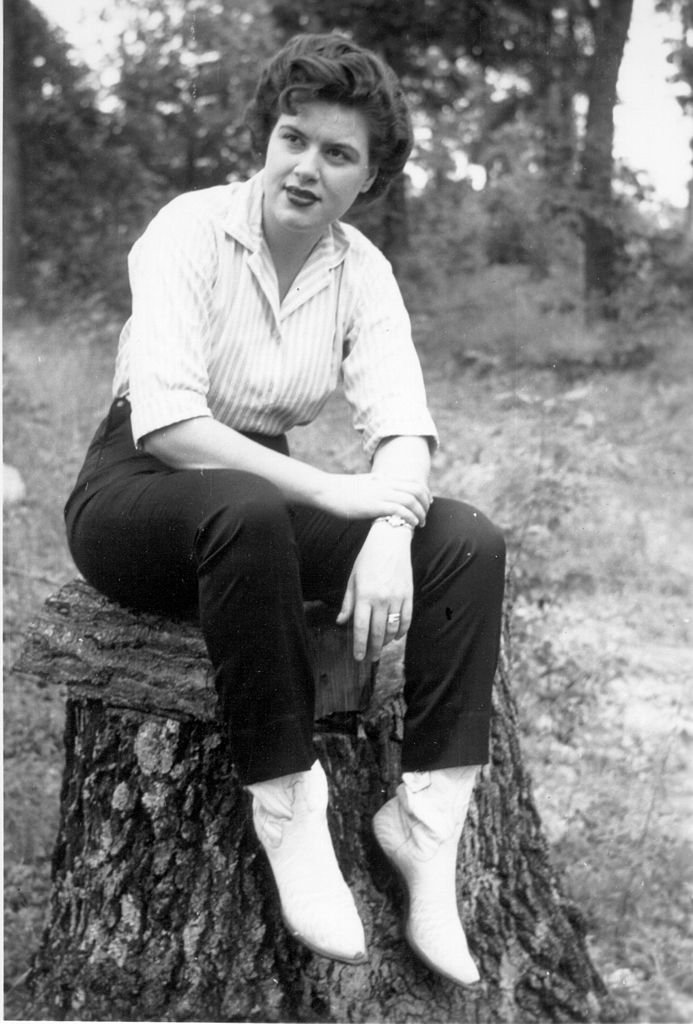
x,y
249,302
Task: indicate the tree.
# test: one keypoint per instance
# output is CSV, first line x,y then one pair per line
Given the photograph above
x,y
485,76
600,228
186,72
550,51
77,190
87,166
402,33
44,103
163,908
12,239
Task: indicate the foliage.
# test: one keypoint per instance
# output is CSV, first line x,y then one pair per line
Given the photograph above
x,y
533,57
94,172
493,82
546,54
186,72
682,48
82,188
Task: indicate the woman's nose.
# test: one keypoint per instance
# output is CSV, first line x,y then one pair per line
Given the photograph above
x,y
307,166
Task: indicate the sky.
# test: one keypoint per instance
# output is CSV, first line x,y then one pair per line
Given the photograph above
x,y
652,133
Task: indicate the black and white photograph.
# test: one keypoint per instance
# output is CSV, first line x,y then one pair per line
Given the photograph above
x,y
348,511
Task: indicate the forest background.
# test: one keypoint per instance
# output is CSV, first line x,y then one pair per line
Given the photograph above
x,y
551,294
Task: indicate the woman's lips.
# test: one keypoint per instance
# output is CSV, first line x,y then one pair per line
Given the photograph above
x,y
300,196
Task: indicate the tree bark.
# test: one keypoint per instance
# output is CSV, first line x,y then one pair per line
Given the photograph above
x,y
12,245
601,235
688,224
163,906
557,72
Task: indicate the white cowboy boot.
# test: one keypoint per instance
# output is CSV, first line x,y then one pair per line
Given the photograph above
x,y
289,815
419,830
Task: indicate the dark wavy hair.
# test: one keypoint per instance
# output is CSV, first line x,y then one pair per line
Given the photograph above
x,y
332,69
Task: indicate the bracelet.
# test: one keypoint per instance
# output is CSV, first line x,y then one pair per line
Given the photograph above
x,y
394,520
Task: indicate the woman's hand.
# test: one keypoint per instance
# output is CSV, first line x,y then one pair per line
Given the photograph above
x,y
369,495
380,586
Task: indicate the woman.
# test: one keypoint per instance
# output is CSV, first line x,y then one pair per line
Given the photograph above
x,y
250,300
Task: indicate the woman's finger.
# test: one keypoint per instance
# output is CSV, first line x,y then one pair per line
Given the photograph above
x,y
393,626
405,618
362,629
378,632
347,608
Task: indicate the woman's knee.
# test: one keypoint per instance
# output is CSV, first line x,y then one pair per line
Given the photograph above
x,y
464,535
458,518
486,538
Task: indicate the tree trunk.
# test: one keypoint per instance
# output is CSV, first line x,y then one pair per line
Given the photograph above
x,y
12,249
601,236
557,77
688,224
163,906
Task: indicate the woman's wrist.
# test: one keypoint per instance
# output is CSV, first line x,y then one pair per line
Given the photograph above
x,y
387,534
395,522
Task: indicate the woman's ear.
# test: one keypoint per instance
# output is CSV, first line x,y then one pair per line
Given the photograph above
x,y
372,175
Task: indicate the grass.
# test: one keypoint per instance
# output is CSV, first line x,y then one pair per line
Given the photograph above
x,y
55,384
587,470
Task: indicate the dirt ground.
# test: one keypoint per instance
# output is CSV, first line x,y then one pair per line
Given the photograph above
x,y
590,475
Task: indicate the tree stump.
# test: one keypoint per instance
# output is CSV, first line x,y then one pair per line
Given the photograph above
x,y
163,906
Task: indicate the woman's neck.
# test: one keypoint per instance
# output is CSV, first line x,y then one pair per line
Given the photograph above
x,y
288,260
289,251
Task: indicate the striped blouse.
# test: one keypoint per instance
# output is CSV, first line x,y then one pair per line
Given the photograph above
x,y
209,337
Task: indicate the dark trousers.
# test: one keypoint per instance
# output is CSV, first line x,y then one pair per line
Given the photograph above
x,y
226,544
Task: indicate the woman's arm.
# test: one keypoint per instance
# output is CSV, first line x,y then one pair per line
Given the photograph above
x,y
396,456
205,443
381,581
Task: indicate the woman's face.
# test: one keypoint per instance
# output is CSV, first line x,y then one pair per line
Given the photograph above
x,y
317,164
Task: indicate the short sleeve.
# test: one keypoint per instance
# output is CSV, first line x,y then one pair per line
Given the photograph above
x,y
172,268
381,371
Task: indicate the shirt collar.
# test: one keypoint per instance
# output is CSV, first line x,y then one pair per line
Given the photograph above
x,y
243,221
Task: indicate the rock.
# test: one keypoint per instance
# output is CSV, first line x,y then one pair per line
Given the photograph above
x,y
13,487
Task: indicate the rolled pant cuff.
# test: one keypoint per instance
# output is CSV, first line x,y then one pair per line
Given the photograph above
x,y
287,752
431,749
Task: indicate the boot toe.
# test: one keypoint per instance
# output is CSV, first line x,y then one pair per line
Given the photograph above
x,y
444,950
333,932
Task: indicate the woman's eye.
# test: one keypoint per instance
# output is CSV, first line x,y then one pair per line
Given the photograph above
x,y
338,155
